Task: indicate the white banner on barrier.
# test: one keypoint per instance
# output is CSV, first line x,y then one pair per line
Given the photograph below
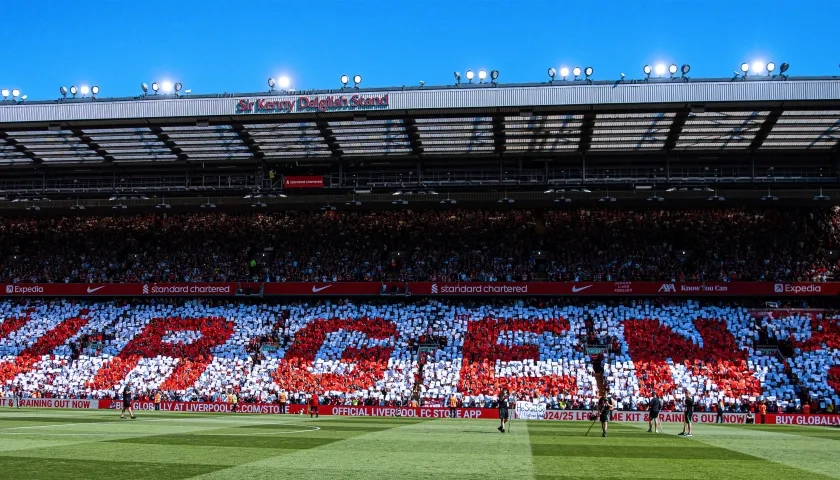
x,y
530,411
49,403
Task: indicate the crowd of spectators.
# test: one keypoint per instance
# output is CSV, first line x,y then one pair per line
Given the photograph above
x,y
367,353
442,245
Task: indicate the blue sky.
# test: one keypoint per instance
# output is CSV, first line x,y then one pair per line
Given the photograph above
x,y
216,46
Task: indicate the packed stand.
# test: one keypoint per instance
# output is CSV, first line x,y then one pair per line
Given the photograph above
x,y
440,245
366,353
686,245
814,337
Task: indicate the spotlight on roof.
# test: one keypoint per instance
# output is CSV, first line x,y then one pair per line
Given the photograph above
x,y
178,87
588,71
344,80
74,91
685,69
94,90
167,86
770,68
552,73
757,68
84,89
564,72
494,75
482,75
576,72
5,93
15,93
782,69
271,83
672,69
660,69
155,87
457,78
357,79
145,87
470,75
284,82
647,71
63,91
745,67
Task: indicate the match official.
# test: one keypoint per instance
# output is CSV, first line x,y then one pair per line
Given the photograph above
x,y
654,408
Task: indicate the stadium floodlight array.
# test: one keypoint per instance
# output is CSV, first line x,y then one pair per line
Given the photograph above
x,y
15,93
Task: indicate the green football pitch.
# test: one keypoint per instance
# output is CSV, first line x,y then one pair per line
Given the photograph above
x,y
47,444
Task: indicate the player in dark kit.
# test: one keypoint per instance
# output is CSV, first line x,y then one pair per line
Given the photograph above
x,y
126,394
605,408
689,411
654,408
313,405
504,412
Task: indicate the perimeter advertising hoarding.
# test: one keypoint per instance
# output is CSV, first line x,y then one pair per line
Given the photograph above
x,y
428,289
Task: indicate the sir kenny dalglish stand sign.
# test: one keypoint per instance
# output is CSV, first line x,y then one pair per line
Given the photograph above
x,y
529,411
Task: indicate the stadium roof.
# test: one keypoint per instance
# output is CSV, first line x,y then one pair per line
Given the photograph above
x,y
569,117
444,127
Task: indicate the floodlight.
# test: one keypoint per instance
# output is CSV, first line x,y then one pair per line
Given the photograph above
x,y
660,69
344,80
73,90
63,91
5,93
482,74
178,87
588,71
494,74
271,83
564,72
457,78
685,69
15,93
770,67
551,73
357,79
166,86
84,89
745,67
284,82
94,90
757,67
23,98
672,69
155,87
576,72
470,75
145,88
647,70
784,68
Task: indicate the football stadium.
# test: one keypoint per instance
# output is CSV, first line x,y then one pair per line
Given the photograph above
x,y
566,279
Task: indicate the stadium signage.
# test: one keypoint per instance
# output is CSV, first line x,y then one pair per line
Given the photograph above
x,y
467,289
51,403
301,104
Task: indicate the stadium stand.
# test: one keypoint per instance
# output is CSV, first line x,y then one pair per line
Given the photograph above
x,y
465,245
391,352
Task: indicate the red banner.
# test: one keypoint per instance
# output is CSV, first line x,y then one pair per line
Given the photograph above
x,y
429,289
818,419
664,289
124,289
350,411
52,403
303,182
328,289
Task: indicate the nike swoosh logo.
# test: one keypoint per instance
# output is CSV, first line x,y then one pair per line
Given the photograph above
x,y
319,289
91,290
575,289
